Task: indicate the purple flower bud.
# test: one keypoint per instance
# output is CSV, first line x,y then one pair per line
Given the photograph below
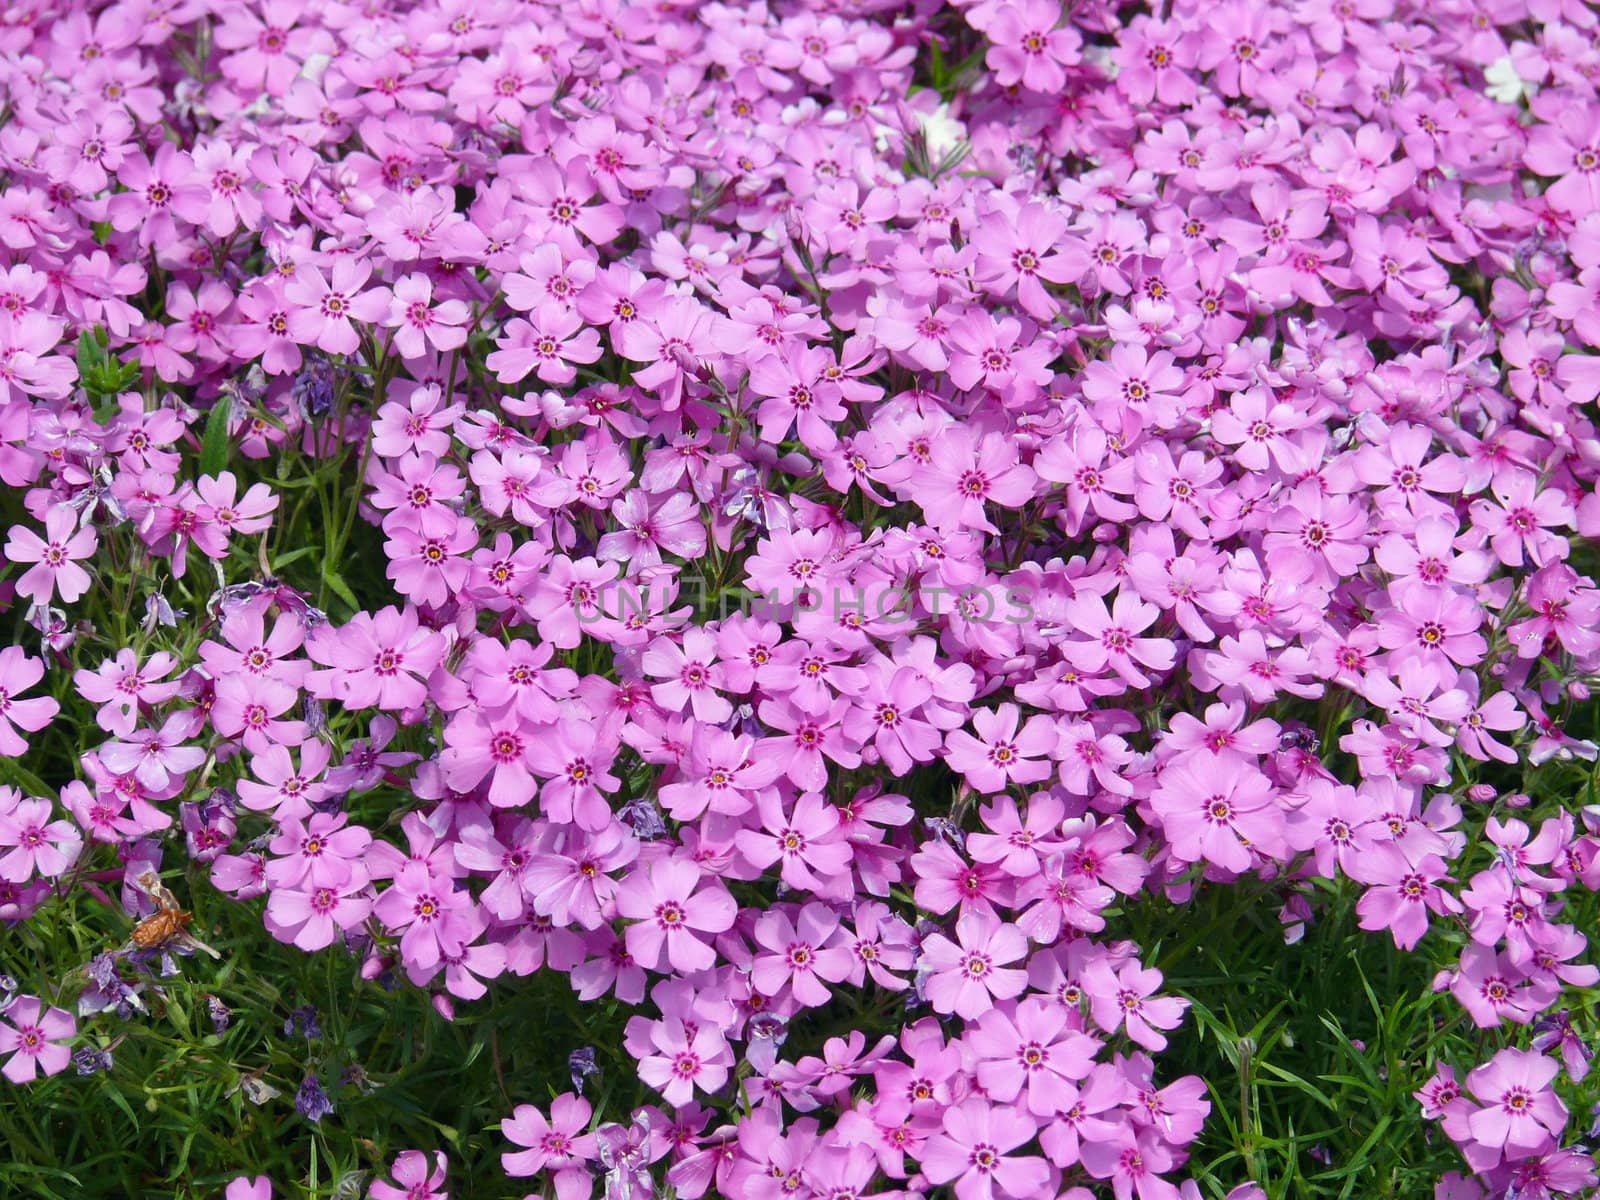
x,y
947,831
316,716
221,1014
644,817
767,1033
581,1063
220,803
91,1061
158,610
355,1075
311,1102
314,388
303,1021
52,626
101,970
1296,736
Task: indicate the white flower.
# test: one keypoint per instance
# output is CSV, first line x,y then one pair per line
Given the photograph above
x,y
1505,85
942,132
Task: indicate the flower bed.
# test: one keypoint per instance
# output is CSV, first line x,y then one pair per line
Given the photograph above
x,y
817,601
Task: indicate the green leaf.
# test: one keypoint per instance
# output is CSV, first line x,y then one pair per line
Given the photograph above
x,y
121,1102
283,560
90,354
338,586
214,446
19,776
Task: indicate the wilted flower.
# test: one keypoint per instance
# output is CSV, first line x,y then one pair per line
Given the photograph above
x,y
311,1102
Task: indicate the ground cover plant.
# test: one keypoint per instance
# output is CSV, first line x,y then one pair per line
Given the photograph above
x,y
819,600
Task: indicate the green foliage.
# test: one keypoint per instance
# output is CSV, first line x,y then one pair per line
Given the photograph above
x,y
187,1108
102,376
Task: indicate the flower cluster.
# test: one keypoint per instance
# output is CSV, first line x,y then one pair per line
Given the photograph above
x,y
783,535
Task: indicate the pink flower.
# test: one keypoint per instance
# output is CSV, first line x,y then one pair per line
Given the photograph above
x,y
1433,625
155,757
412,1178
807,741
1002,754
31,1034
574,757
969,974
1133,1159
121,686
673,525
1566,147
690,673
55,557
230,513
1521,1112
1400,466
1124,999
418,492
39,846
1113,637
1092,477
1134,382
322,311
18,673
378,660
1260,427
246,1187
476,747
559,1144
994,353
252,709
419,323
1017,246
1316,538
1219,812
974,1147
158,192
430,568
316,850
1401,893
429,912
1079,1125
1520,522
575,886
802,953
797,396
806,840
568,600
268,46
720,772
670,910
1492,989
685,1061
548,343
1029,1049
312,916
